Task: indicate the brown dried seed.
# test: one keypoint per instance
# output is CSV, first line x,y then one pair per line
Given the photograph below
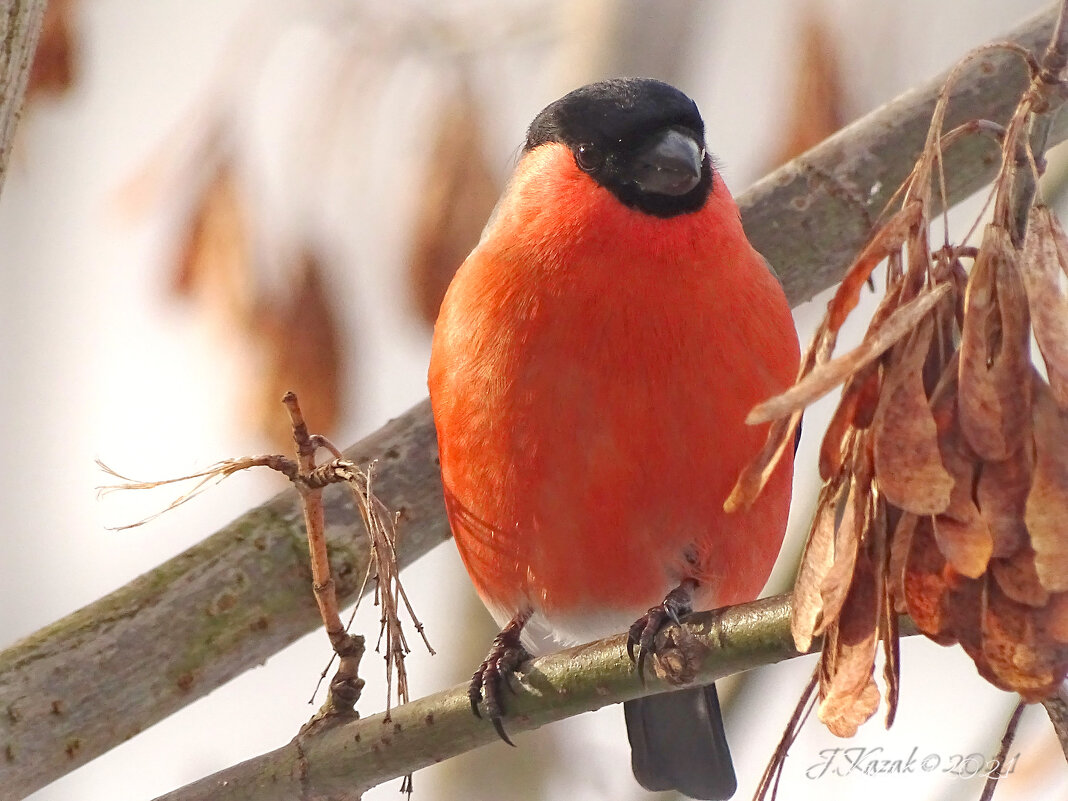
x,y
1001,494
995,357
781,435
816,559
856,409
1047,503
963,609
888,239
1056,618
918,250
908,465
957,456
836,582
1018,579
1045,255
900,543
966,544
842,715
925,583
1021,659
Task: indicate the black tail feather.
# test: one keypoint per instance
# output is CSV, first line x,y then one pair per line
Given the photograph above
x,y
678,743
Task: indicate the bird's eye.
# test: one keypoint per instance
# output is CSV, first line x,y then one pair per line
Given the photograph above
x,y
588,157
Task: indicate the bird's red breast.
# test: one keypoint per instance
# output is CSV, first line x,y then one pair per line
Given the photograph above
x,y
591,371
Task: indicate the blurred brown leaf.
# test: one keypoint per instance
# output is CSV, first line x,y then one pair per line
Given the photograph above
x,y
816,97
52,71
215,258
292,335
302,351
457,194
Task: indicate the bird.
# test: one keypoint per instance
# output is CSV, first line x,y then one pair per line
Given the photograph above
x,y
592,365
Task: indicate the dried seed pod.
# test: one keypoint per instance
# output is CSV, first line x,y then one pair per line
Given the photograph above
x,y
888,239
966,543
1017,578
962,534
925,584
1019,650
995,390
849,695
855,410
836,582
962,607
807,610
900,543
1047,502
907,462
1055,619
1001,494
1045,256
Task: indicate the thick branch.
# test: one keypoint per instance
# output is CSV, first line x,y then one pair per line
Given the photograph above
x,y
810,217
345,760
20,28
72,691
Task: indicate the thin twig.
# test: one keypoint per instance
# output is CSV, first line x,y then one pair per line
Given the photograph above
x,y
775,766
1057,709
1003,752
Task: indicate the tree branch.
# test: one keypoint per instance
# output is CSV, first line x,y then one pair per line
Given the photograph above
x,y
70,692
344,760
20,28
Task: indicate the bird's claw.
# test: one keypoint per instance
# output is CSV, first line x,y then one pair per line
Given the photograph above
x,y
641,639
502,662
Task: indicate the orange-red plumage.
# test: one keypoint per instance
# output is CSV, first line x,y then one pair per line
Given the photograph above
x,y
591,372
593,363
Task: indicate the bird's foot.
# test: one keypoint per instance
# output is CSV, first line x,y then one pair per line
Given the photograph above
x,y
641,640
505,656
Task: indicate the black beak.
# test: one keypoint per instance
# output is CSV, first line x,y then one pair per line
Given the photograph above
x,y
669,165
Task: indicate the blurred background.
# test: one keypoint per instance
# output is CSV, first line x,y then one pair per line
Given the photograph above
x,y
212,201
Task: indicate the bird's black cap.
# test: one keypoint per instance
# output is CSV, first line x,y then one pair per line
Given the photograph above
x,y
640,138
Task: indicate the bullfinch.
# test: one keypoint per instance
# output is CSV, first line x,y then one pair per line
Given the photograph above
x,y
593,363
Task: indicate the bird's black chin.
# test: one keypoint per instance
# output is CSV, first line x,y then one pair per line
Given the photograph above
x,y
670,164
690,196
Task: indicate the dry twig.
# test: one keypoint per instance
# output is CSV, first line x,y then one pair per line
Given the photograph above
x,y
310,479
